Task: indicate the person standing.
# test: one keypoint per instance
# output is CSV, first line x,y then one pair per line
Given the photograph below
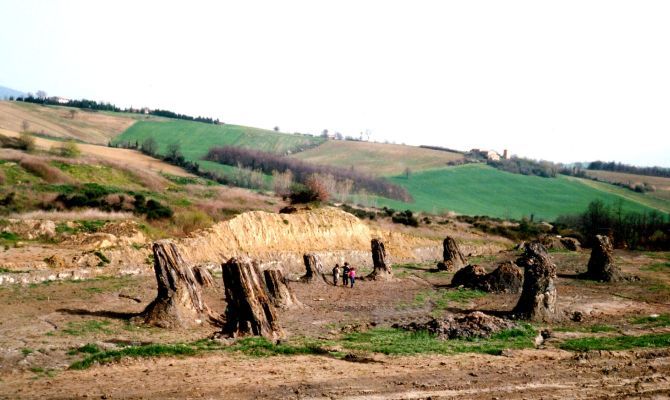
x,y
345,274
336,274
352,276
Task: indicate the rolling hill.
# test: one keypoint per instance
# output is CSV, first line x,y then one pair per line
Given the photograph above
x,y
468,189
377,158
477,189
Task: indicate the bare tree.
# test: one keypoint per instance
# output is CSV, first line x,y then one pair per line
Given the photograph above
x,y
25,126
73,113
407,172
41,94
281,182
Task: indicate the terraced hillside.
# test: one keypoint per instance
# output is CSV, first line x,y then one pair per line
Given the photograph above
x,y
477,189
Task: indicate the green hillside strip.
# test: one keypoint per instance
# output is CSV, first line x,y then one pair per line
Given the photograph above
x,y
648,199
197,138
477,189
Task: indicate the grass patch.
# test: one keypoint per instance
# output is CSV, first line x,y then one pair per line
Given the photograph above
x,y
27,351
261,347
86,327
617,342
653,322
151,350
399,342
658,267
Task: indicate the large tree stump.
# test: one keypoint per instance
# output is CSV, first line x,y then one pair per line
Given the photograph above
x,y
601,264
313,269
505,279
452,258
538,297
179,303
202,276
381,267
280,293
249,310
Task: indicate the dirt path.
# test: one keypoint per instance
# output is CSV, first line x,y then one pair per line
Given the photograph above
x,y
547,374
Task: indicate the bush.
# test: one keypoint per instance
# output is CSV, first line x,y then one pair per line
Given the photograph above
x,y
26,142
43,170
190,221
406,218
70,149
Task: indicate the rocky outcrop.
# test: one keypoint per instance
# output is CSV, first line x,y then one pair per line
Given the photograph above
x,y
31,229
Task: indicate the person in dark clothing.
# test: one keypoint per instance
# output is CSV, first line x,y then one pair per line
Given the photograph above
x,y
345,274
336,274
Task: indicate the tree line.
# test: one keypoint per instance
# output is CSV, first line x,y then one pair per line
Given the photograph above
x,y
101,106
302,171
630,169
632,230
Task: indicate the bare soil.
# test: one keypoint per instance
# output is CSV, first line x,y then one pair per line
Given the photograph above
x,y
42,322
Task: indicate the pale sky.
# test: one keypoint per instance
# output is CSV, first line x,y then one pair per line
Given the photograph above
x,y
563,80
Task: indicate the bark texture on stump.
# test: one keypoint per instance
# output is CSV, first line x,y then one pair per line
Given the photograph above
x,y
202,276
381,266
538,297
505,279
280,293
179,303
452,258
249,310
601,264
314,272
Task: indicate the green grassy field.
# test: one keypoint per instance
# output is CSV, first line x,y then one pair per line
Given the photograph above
x,y
197,138
477,189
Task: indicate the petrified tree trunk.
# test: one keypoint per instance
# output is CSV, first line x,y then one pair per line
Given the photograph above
x,y
601,264
453,259
280,293
538,297
179,303
381,266
313,269
505,279
202,276
249,310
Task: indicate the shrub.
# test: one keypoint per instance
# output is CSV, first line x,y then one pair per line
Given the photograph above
x,y
26,142
70,149
406,218
190,221
43,170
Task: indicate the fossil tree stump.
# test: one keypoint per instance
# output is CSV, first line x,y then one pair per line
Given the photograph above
x,y
313,269
505,279
179,303
538,296
381,266
202,276
452,258
249,310
601,264
280,293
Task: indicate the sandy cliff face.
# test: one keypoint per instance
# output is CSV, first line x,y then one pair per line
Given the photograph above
x,y
265,236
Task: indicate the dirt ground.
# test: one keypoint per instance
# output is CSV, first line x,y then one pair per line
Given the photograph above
x,y
41,323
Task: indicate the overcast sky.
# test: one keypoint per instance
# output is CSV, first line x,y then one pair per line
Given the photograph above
x,y
563,80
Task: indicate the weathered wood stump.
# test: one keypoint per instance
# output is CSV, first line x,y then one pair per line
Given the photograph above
x,y
249,310
202,276
179,303
505,279
538,297
314,272
601,265
381,267
280,293
452,258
